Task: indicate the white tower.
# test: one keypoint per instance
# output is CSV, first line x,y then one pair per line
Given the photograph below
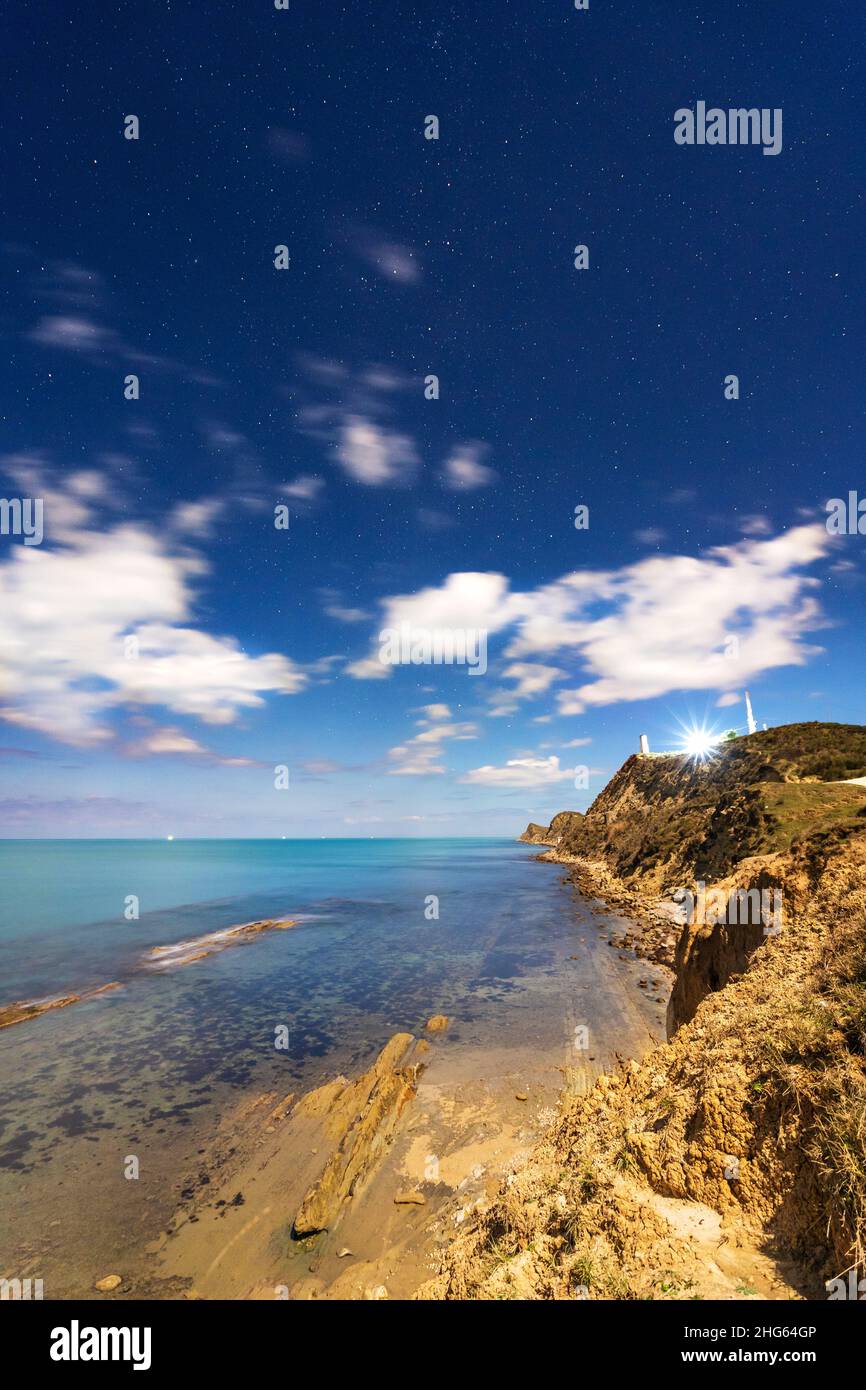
x,y
644,745
751,726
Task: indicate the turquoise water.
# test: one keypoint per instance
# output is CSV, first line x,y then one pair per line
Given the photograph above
x,y
184,888
153,1067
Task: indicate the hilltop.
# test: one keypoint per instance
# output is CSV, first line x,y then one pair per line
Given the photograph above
x,y
666,818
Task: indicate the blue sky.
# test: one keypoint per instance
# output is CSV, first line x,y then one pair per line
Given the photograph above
x,y
706,565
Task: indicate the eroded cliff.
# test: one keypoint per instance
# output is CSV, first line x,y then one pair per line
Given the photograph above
x,y
750,1122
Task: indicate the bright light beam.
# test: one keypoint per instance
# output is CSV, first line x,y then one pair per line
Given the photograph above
x,y
700,743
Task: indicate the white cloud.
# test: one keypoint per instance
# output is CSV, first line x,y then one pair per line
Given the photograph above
x,y
220,436
176,742
334,607
192,672
466,602
671,619
373,455
758,525
390,259
352,414
345,615
662,624
433,712
196,518
532,677
464,470
369,668
520,772
73,333
305,488
78,303
170,741
422,755
66,613
650,535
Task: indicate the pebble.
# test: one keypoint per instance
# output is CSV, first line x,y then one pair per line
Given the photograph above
x,y
111,1281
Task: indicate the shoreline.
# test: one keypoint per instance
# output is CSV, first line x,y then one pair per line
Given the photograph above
x,y
659,919
474,1116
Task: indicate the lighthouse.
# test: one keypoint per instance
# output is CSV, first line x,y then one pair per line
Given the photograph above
x,y
751,726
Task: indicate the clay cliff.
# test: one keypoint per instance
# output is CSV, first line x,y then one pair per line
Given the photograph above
x,y
744,1134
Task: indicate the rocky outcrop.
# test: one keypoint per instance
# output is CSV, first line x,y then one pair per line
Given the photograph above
x,y
157,958
186,952
752,1111
360,1119
534,834
551,835
25,1009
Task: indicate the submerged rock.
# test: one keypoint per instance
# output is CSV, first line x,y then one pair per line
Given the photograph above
x,y
24,1009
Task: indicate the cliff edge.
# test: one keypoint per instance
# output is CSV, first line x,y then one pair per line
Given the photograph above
x,y
742,1140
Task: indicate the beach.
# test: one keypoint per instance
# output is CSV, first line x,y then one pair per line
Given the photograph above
x,y
181,1068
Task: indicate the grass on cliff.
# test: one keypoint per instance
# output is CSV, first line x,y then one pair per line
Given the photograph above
x,y
818,751
795,809
819,1057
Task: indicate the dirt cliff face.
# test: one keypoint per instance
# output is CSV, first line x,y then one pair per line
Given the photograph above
x,y
709,953
752,1115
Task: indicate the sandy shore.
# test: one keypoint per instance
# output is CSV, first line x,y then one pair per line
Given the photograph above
x,y
473,1117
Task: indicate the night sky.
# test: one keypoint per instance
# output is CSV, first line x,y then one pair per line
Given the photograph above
x,y
707,565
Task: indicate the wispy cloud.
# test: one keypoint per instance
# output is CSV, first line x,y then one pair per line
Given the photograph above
x,y
423,754
74,306
334,607
173,741
352,413
305,488
464,471
520,772
390,259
